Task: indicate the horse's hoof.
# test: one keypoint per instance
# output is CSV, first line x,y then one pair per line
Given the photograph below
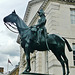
x,y
68,72
25,72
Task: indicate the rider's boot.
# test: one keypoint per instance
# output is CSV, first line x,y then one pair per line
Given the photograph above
x,y
28,69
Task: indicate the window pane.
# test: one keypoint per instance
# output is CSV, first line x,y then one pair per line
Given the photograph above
x,y
74,62
74,12
74,58
71,17
74,52
73,46
74,21
71,21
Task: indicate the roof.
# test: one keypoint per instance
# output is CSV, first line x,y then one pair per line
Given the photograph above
x,y
17,67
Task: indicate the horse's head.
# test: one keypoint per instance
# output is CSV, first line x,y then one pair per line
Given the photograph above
x,y
10,18
10,21
14,21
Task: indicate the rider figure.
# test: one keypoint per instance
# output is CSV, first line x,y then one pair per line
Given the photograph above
x,y
41,25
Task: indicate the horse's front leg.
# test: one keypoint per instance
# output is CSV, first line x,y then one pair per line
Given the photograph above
x,y
27,53
28,68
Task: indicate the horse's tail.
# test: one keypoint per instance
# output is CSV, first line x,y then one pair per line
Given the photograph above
x,y
68,45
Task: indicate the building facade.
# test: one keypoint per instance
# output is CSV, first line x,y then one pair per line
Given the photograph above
x,y
15,71
60,17
1,71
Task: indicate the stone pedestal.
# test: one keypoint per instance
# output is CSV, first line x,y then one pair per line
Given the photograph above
x,y
34,74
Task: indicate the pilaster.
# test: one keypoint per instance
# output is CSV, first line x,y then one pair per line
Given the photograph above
x,y
39,62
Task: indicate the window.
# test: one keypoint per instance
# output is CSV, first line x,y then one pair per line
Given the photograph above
x,y
72,16
73,45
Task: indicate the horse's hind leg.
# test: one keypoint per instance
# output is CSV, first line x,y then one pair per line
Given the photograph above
x,y
62,63
66,62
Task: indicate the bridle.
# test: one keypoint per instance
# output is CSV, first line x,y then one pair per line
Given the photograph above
x,y
6,24
14,27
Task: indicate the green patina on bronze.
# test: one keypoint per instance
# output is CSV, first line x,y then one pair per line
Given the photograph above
x,y
36,38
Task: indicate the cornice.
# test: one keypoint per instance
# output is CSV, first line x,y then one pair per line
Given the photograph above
x,y
65,2
36,16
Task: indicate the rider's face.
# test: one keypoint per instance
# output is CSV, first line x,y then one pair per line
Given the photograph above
x,y
40,14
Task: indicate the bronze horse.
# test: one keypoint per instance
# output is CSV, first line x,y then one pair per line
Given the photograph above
x,y
55,43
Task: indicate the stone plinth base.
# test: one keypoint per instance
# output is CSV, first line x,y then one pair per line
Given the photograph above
x,y
34,74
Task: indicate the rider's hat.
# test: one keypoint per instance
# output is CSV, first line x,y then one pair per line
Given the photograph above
x,y
41,11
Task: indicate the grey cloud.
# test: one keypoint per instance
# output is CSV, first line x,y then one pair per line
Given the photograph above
x,y
12,35
3,57
12,53
11,50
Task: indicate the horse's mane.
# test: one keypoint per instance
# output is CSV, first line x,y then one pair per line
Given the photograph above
x,y
22,21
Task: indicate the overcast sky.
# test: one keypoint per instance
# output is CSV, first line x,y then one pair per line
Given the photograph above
x,y
9,49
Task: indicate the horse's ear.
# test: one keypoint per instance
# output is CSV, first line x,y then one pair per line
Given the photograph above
x,y
14,12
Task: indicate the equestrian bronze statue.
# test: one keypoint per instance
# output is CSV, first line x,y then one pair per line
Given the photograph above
x,y
45,42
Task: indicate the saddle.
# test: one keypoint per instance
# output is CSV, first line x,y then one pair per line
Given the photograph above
x,y
35,34
33,28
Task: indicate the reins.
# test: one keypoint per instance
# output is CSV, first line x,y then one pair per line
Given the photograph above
x,y
12,27
6,24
